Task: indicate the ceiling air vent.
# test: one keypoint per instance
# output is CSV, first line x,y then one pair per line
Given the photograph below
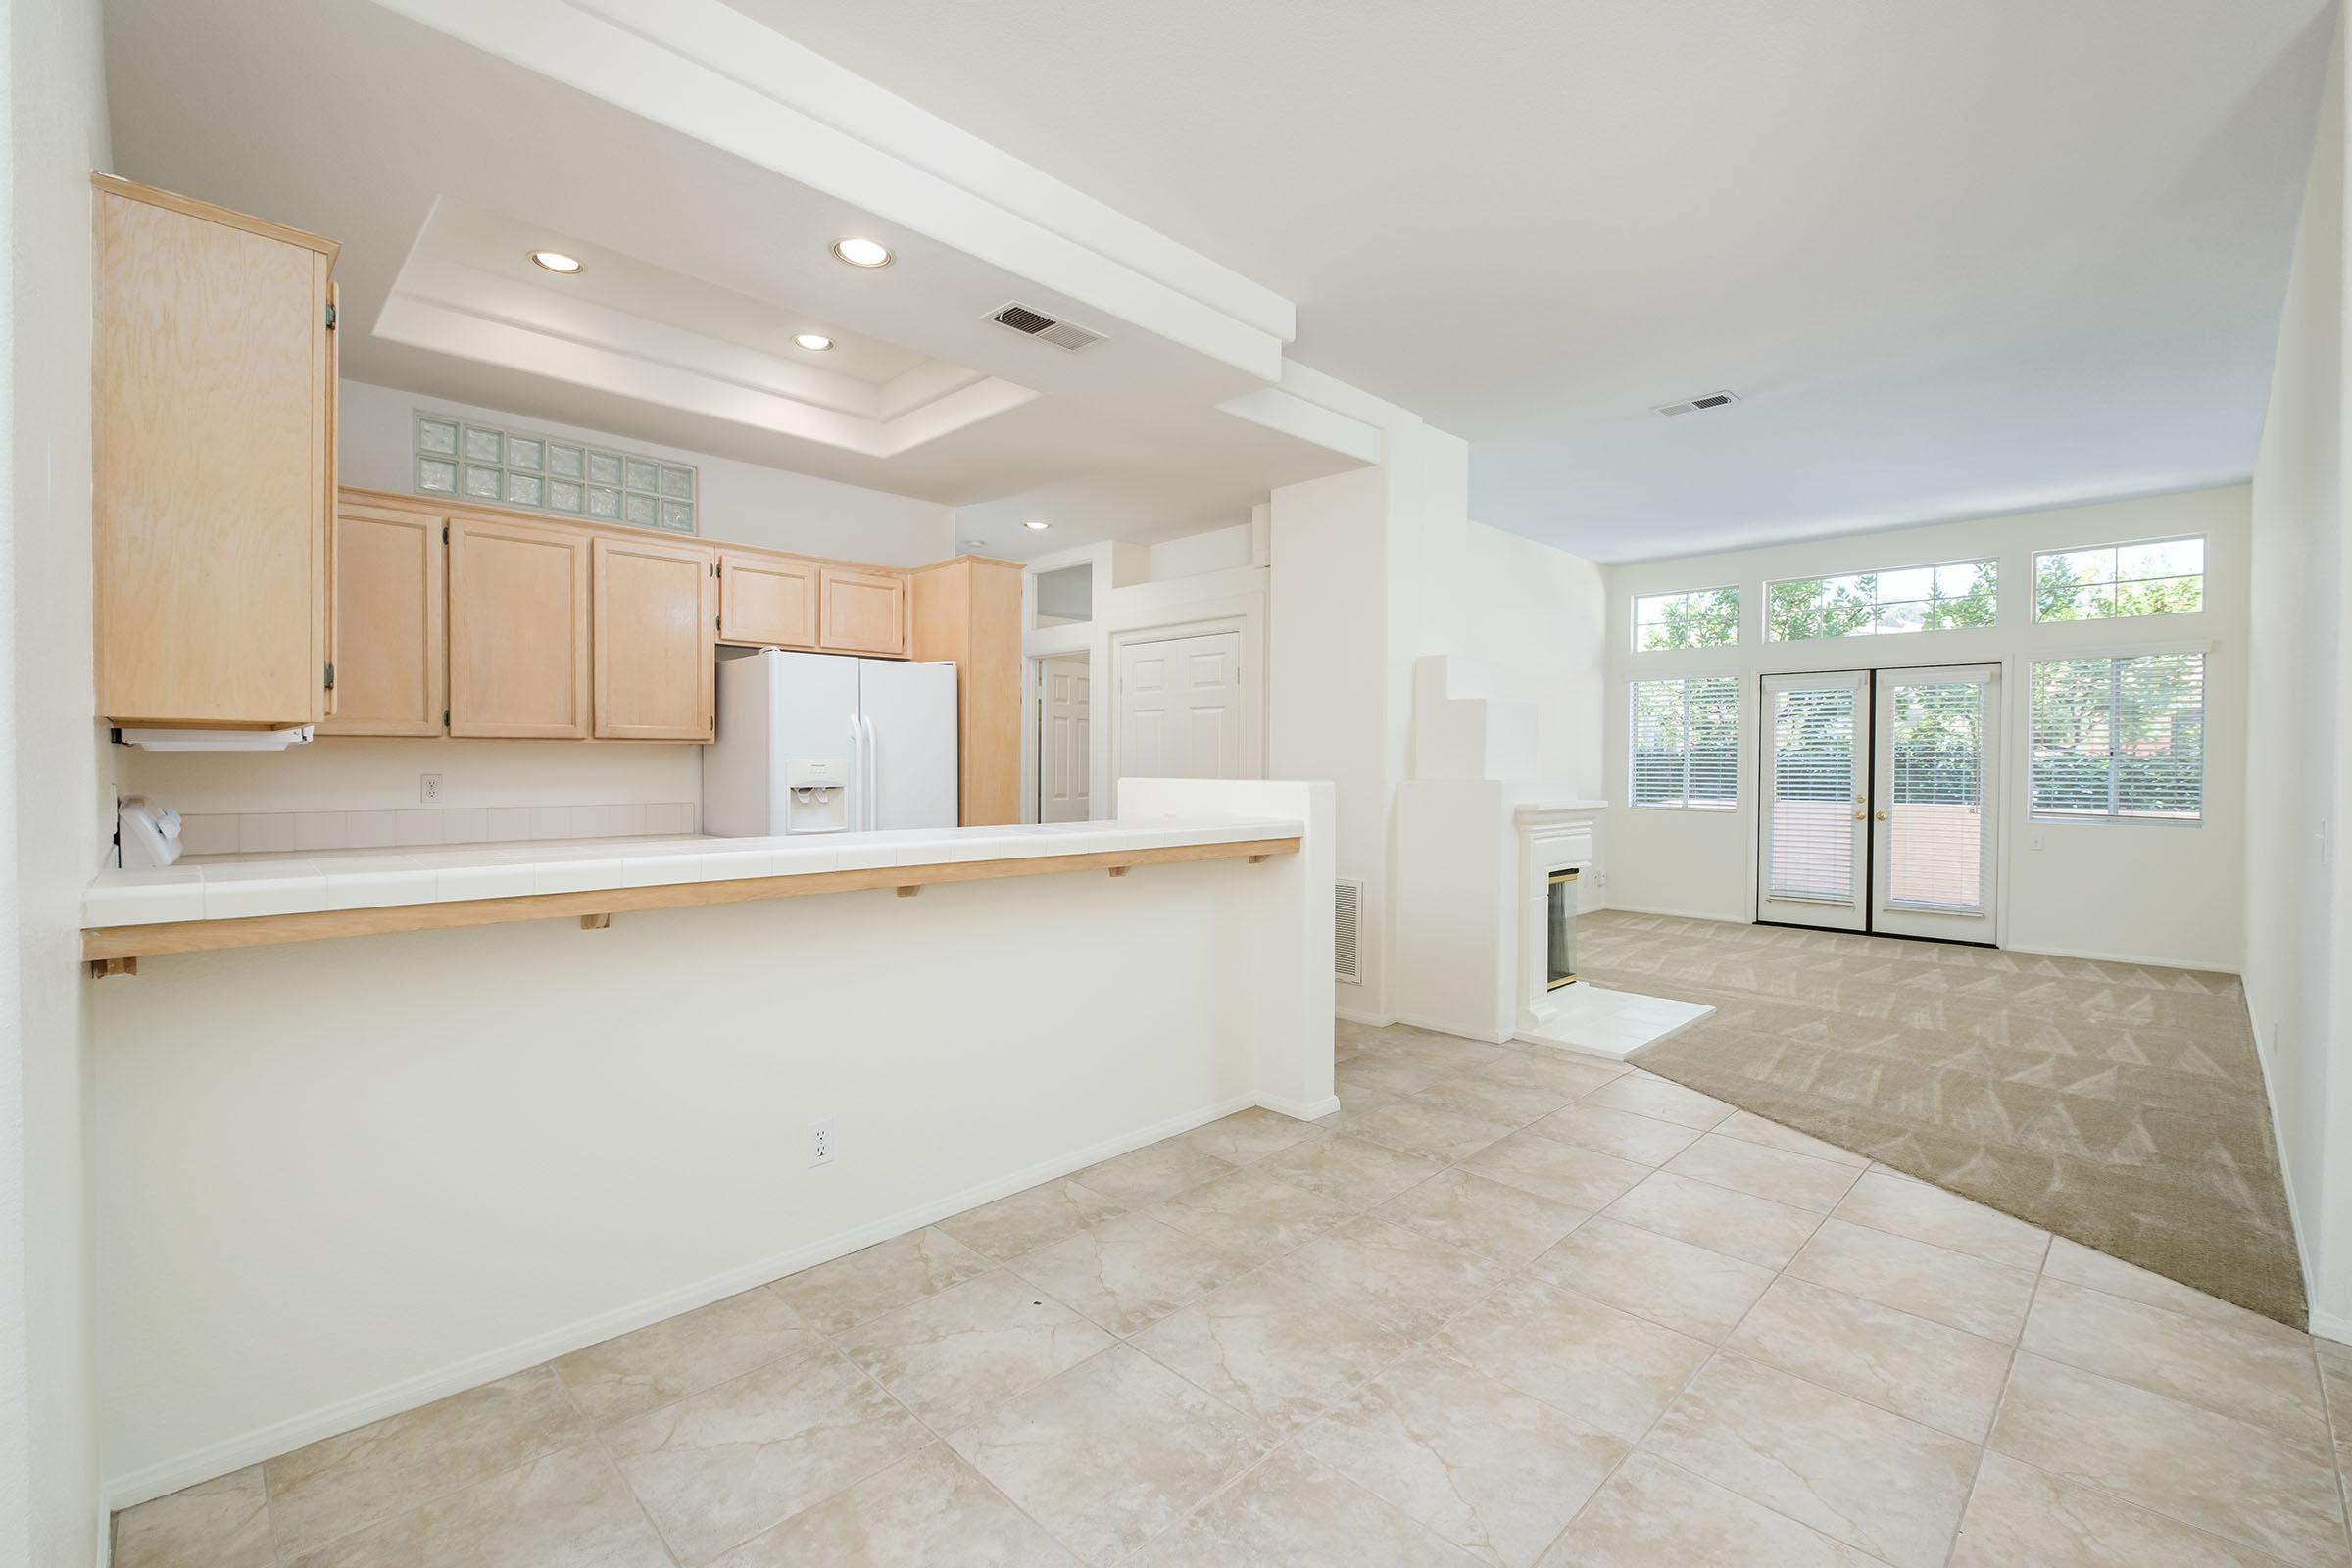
x,y
1034,323
1712,400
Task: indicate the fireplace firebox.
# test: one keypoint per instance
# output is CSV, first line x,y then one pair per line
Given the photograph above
x,y
1560,947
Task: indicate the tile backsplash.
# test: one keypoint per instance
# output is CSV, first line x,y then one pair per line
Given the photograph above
x,y
254,832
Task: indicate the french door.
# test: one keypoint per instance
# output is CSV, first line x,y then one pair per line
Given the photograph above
x,y
1878,800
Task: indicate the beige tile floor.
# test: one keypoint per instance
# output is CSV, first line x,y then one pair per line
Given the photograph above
x,y
1505,1307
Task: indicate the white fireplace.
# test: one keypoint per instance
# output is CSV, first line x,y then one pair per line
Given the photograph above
x,y
1555,842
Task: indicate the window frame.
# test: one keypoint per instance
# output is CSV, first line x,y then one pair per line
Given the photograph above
x,y
1770,583
2202,575
1633,616
2034,660
1734,682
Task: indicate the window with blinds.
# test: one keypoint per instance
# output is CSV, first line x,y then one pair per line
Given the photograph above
x,y
1686,743
1813,792
2121,737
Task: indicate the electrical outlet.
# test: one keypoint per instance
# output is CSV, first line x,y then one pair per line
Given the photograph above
x,y
2033,841
821,1142
1600,879
428,789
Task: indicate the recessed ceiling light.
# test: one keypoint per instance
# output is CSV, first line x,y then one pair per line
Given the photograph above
x,y
814,342
859,250
558,261
1037,525
974,544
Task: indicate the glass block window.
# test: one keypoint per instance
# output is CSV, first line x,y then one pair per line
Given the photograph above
x,y
1705,617
2153,577
1867,604
494,468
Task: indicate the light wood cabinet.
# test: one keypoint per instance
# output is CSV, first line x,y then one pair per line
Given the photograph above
x,y
656,640
392,652
969,610
862,611
519,629
766,600
213,366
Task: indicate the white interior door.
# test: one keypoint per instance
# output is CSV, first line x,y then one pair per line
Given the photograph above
x,y
1935,733
1064,691
1812,848
1180,708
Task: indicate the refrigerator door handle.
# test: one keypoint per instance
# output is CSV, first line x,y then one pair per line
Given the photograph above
x,y
873,783
856,776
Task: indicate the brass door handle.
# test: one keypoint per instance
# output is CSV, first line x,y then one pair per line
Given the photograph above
x,y
1882,817
1861,816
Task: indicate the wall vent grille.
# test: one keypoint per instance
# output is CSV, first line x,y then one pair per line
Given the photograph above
x,y
1347,908
1046,328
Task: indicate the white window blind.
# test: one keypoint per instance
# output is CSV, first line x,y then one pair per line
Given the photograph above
x,y
1686,743
1938,828
2121,737
1813,794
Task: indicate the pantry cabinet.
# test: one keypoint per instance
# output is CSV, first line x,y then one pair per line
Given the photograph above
x,y
212,365
519,629
392,647
862,611
968,610
766,600
656,640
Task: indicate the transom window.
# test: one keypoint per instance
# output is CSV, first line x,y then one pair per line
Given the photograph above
x,y
1685,750
2109,582
1879,604
1705,617
2121,737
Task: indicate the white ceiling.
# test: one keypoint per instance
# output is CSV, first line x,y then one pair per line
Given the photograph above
x,y
436,164
1956,258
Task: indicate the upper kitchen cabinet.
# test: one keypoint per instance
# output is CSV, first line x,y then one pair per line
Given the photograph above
x,y
391,654
766,600
519,641
862,611
656,636
214,367
969,610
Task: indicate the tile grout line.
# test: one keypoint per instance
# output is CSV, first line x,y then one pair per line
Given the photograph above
x,y
2008,1379
596,1434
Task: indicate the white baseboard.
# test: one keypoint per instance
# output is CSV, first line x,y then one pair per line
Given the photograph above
x,y
1734,918
2326,1325
1376,1021
1303,1110
2331,1326
2204,965
1452,1026
284,1437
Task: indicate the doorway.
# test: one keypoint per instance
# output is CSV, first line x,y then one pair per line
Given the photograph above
x,y
1880,803
1064,731
1180,708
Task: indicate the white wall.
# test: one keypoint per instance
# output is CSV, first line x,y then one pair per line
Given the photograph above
x,y
742,502
2299,752
51,764
1537,618
1211,549
2142,892
338,1179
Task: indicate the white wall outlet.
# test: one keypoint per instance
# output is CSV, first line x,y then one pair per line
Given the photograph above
x,y
428,789
821,1142
1600,879
2033,841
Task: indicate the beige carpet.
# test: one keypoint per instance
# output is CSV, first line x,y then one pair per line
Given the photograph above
x,y
2119,1105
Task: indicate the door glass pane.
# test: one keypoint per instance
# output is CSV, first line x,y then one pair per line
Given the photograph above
x,y
1937,831
1813,795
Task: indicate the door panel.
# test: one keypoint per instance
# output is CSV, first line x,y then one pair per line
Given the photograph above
x,y
1064,754
392,659
908,711
1932,828
654,640
1180,708
1812,839
517,630
766,600
862,611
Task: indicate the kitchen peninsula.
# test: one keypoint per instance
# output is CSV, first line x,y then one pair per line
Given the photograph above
x,y
496,1144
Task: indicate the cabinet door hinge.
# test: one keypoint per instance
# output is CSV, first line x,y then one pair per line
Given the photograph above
x,y
330,675
330,316
445,533
445,718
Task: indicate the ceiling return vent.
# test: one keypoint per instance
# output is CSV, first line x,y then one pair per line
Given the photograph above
x,y
1045,328
1711,400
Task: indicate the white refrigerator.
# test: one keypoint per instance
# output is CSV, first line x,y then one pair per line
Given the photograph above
x,y
823,743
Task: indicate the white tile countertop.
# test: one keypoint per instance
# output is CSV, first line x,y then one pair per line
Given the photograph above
x,y
238,887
